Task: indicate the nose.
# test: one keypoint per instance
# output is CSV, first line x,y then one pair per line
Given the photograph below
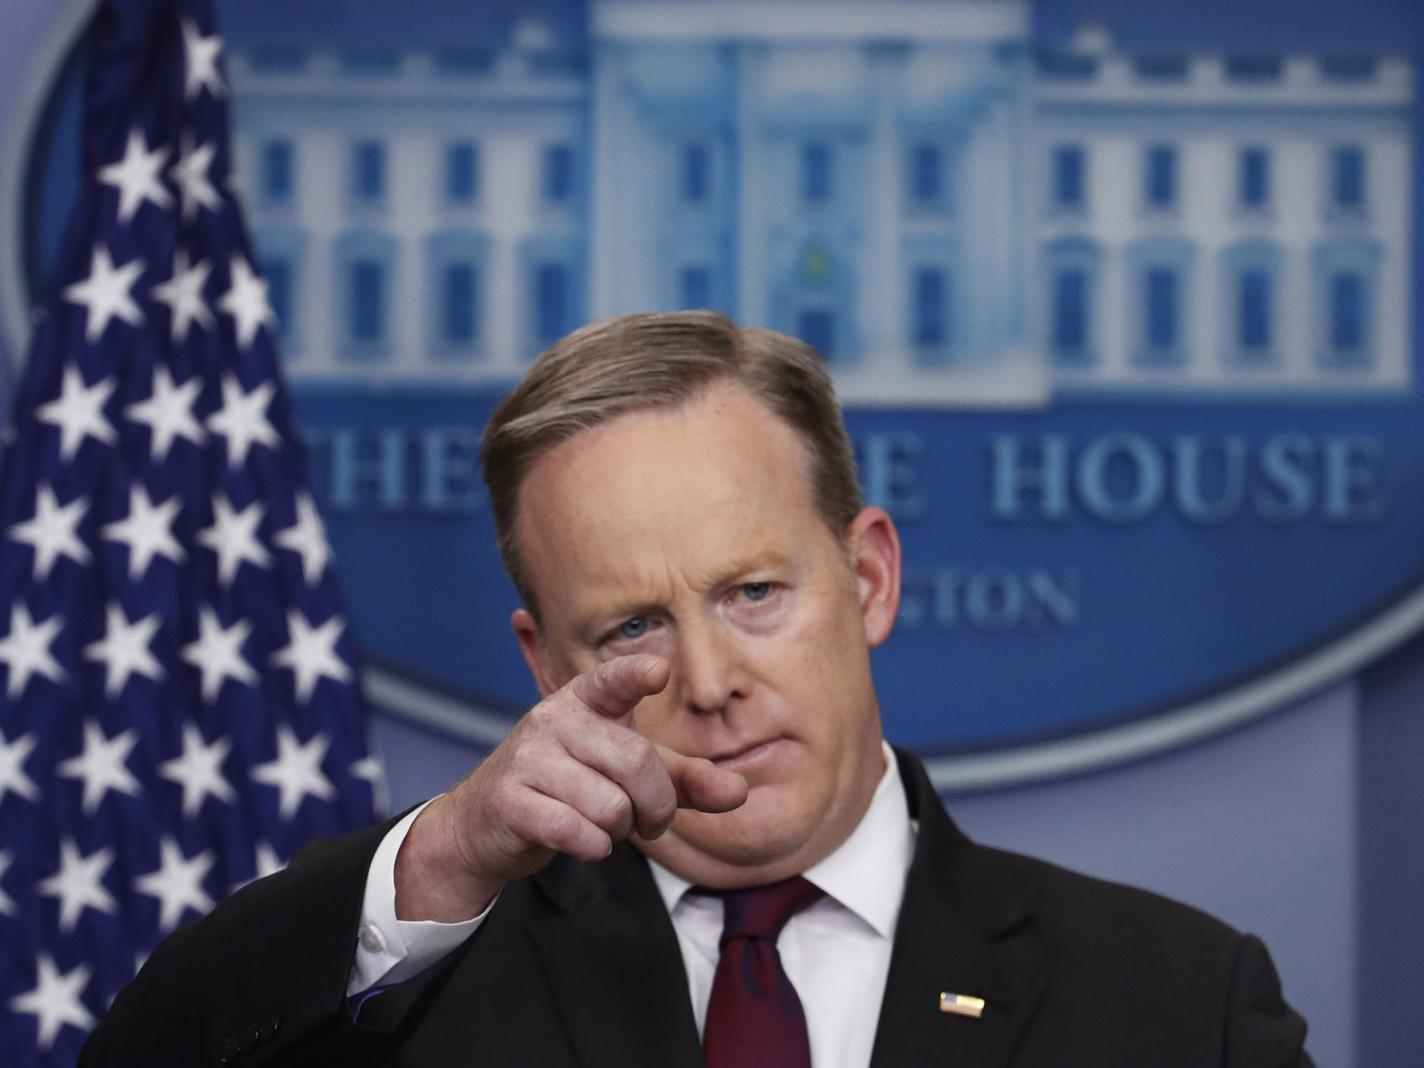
x,y
708,668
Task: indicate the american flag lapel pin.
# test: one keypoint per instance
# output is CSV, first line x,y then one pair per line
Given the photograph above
x,y
961,1005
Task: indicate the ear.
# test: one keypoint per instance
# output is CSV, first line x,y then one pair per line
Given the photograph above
x,y
531,644
875,557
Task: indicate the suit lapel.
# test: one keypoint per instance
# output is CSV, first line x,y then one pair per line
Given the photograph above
x,y
958,933
613,961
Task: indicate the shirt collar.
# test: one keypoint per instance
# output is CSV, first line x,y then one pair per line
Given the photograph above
x,y
866,873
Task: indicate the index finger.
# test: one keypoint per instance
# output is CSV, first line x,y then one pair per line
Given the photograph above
x,y
615,687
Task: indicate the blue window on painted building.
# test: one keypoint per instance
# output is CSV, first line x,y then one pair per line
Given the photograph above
x,y
1253,184
276,59
551,302
371,60
277,271
278,167
817,327
1161,309
1071,267
558,174
1071,314
1162,67
1346,290
1347,312
1254,312
368,170
1253,68
1349,68
695,285
1250,277
696,173
1069,191
1160,177
462,175
368,300
459,320
926,175
930,328
365,289
1347,178
453,292
815,173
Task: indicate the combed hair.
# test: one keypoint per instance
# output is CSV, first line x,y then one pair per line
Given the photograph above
x,y
639,362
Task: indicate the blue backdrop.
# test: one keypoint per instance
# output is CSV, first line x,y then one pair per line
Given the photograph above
x,y
1120,298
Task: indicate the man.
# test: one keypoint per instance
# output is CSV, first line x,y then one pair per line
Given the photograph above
x,y
676,503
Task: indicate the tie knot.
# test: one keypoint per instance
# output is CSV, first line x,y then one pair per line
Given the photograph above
x,y
762,911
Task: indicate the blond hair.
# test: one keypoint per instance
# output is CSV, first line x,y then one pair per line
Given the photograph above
x,y
639,362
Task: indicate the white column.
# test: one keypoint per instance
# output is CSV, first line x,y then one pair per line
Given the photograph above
x,y
751,189
881,289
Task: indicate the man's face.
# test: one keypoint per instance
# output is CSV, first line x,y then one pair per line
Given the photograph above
x,y
691,533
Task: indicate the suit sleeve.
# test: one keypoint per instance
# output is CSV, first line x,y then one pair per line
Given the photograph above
x,y
1262,1031
259,980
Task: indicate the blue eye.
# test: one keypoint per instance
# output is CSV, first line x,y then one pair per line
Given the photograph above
x,y
633,628
756,591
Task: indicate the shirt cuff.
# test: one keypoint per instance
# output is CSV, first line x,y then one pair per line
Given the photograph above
x,y
389,950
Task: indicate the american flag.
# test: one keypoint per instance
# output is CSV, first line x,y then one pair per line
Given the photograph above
x,y
179,709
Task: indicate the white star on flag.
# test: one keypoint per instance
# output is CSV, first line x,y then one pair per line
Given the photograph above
x,y
102,765
233,537
78,411
246,302
177,883
146,530
183,293
296,771
370,768
53,532
268,862
79,883
307,538
105,293
55,1001
218,653
199,770
124,649
7,903
242,420
373,770
168,412
25,650
200,62
310,653
190,174
12,767
136,176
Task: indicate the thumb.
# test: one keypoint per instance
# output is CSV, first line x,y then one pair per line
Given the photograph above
x,y
701,784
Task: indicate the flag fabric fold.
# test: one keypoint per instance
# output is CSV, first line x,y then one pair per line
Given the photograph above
x,y
180,707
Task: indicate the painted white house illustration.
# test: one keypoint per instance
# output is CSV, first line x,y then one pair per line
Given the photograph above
x,y
952,216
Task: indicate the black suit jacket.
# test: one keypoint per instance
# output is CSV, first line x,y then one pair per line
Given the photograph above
x,y
580,965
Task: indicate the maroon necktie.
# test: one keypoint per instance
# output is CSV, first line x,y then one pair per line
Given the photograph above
x,y
754,1016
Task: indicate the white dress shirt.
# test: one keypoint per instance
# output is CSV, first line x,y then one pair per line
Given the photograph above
x,y
836,952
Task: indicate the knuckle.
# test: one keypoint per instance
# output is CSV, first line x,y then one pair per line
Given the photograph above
x,y
605,674
541,717
636,753
616,814
561,828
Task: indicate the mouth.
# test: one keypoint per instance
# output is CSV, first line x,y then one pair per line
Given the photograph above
x,y
745,756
